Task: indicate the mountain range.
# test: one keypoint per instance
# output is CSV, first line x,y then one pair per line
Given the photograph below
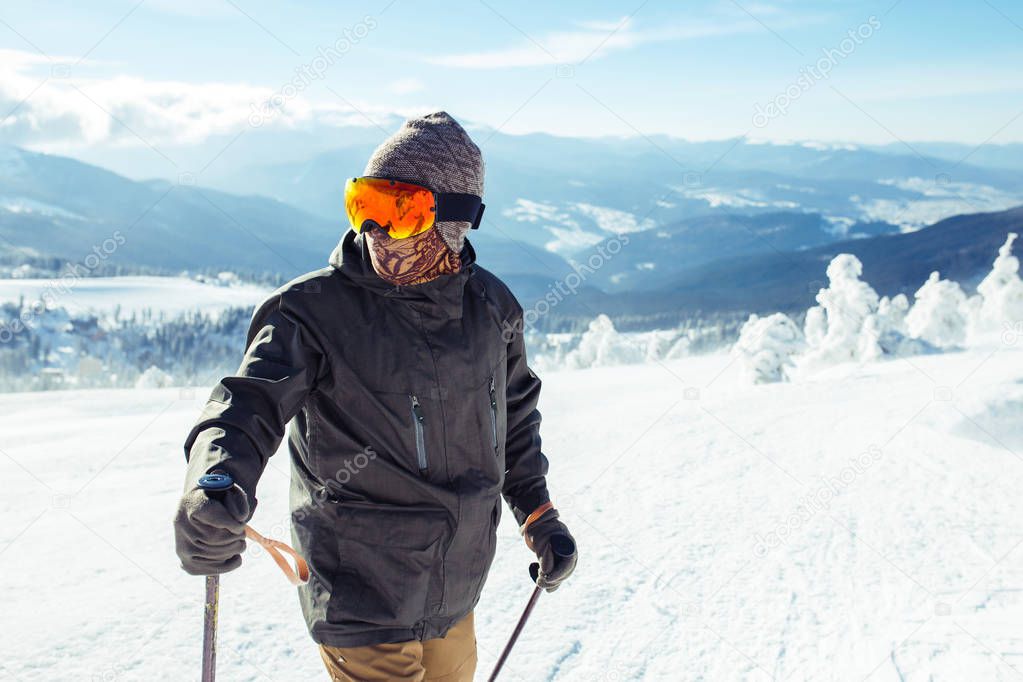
x,y
753,233
961,248
568,194
59,207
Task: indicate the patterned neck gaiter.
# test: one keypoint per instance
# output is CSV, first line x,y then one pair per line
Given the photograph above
x,y
415,260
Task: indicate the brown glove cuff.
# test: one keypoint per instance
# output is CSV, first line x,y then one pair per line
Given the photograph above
x,y
533,518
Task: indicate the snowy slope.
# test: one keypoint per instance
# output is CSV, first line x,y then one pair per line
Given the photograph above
x,y
168,295
678,483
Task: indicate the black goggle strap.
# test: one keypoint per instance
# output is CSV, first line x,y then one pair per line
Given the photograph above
x,y
461,208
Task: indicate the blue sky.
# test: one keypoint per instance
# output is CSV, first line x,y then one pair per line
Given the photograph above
x,y
184,69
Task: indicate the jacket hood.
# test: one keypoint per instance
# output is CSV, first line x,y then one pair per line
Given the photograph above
x,y
441,297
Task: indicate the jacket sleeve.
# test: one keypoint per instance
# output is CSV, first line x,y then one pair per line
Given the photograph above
x,y
245,419
525,483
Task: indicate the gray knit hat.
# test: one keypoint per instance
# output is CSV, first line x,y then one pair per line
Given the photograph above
x,y
436,152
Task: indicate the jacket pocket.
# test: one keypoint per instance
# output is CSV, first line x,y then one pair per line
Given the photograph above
x,y
419,433
486,548
493,413
390,564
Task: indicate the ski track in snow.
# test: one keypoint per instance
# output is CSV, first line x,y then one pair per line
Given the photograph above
x,y
913,570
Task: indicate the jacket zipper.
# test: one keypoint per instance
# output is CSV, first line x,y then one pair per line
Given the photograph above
x,y
493,411
417,424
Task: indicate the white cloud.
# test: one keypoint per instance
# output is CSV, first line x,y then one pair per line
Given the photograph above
x,y
590,40
46,103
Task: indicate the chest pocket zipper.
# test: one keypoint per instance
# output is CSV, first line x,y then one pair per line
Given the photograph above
x,y
493,412
417,425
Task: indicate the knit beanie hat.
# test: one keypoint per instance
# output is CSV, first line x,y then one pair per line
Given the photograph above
x,y
436,152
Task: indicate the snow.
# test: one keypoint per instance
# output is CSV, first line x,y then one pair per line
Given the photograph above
x,y
566,224
939,314
767,346
997,309
154,377
569,235
103,295
834,329
26,205
852,323
741,198
930,200
601,345
862,524
612,220
886,333
720,198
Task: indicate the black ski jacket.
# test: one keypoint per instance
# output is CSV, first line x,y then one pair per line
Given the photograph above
x,y
412,411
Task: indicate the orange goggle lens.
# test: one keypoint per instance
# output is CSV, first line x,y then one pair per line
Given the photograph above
x,y
401,208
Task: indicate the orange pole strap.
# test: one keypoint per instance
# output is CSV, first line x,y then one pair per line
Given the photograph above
x,y
299,575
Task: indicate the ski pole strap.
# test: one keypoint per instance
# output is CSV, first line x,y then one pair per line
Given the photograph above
x,y
299,575
533,518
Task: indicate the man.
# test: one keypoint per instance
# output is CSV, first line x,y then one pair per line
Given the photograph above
x,y
402,370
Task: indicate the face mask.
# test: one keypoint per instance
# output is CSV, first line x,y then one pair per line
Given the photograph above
x,y
414,260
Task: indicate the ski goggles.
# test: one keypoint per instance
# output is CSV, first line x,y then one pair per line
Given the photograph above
x,y
403,209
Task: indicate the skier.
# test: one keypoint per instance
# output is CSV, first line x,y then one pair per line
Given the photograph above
x,y
402,370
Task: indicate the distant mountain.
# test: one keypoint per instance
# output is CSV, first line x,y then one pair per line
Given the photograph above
x,y
990,155
58,206
568,194
728,260
655,257
55,206
961,248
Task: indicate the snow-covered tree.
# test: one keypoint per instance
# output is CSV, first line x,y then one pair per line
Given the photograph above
x,y
815,326
660,343
998,305
885,333
680,348
154,377
767,346
834,327
602,345
939,314
891,312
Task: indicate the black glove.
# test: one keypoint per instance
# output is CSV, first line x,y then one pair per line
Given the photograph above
x,y
554,547
209,530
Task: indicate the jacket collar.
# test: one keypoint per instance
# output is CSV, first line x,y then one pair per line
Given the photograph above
x,y
441,297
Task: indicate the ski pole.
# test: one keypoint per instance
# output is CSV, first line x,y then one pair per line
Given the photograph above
x,y
537,591
534,571
215,485
209,629
563,550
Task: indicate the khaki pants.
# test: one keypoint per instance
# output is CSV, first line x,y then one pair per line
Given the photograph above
x,y
451,658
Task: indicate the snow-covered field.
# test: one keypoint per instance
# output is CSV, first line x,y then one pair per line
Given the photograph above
x,y
860,524
168,295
